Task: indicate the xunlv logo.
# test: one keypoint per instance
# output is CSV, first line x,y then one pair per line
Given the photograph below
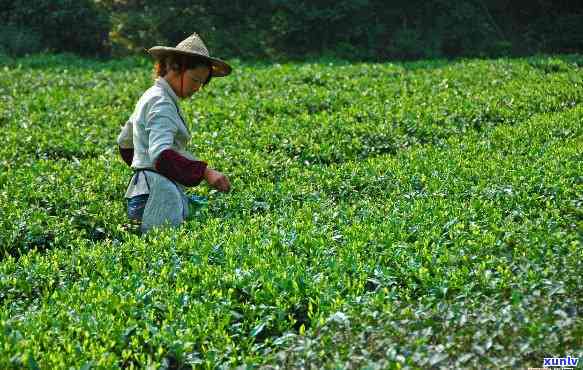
x,y
558,361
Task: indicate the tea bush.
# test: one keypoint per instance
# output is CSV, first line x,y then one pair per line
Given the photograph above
x,y
420,214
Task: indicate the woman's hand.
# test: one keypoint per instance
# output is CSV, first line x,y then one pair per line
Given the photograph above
x,y
217,180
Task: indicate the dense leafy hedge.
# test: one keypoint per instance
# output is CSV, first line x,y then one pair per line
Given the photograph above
x,y
383,215
78,26
355,29
361,29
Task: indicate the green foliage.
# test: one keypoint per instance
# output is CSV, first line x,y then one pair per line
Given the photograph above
x,y
16,41
406,43
562,33
351,29
421,214
77,26
284,29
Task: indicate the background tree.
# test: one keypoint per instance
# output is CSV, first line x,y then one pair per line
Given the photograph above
x,y
354,29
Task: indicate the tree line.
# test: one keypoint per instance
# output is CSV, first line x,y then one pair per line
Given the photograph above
x,y
352,29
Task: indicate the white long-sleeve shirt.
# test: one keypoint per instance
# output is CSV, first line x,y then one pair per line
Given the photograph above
x,y
155,125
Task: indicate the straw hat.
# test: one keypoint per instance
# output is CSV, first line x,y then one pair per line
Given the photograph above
x,y
193,46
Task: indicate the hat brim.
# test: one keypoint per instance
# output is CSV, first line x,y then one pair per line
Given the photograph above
x,y
219,67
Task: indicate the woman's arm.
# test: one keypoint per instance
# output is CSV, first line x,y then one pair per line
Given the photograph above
x,y
162,125
125,143
127,154
179,168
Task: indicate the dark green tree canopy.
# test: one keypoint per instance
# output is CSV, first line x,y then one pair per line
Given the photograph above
x,y
359,29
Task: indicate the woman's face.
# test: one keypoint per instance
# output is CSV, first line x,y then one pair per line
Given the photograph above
x,y
193,80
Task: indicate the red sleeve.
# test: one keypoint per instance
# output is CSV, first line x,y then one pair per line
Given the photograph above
x,y
179,168
127,155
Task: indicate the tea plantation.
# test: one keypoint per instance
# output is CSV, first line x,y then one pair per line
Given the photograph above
x,y
424,214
